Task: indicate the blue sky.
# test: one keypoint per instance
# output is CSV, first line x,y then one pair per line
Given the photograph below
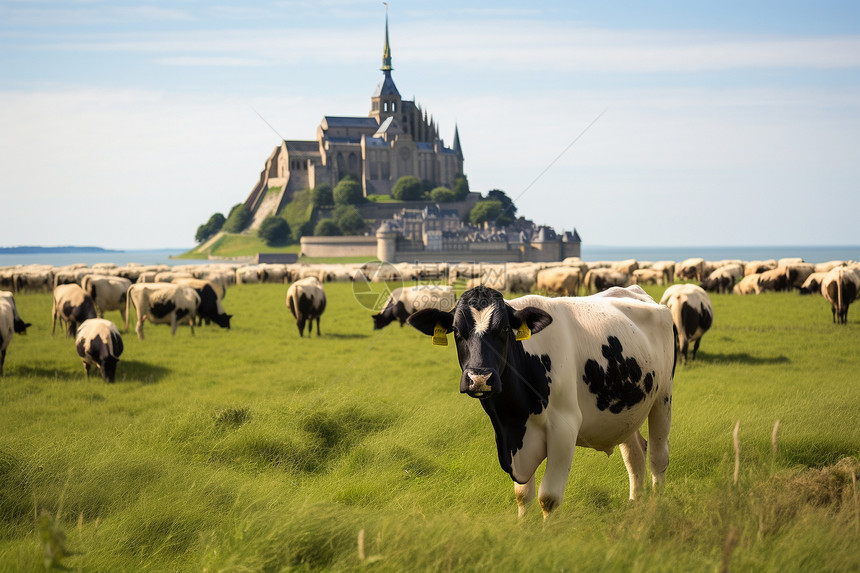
x,y
127,124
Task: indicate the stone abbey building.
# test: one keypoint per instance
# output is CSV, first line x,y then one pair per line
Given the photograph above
x,y
397,138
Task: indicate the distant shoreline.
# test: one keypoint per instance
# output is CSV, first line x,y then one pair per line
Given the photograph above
x,y
34,250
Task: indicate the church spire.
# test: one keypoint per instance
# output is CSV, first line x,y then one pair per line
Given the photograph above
x,y
386,51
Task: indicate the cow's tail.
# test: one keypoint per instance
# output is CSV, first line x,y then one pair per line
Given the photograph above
x,y
839,279
127,306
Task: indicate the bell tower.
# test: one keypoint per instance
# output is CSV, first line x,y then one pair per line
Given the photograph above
x,y
386,100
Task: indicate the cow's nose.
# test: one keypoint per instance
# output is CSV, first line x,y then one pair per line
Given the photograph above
x,y
478,381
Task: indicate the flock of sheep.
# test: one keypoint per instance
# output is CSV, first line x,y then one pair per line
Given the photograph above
x,y
103,287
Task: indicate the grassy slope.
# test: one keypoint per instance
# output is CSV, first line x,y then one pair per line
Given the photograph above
x,y
253,448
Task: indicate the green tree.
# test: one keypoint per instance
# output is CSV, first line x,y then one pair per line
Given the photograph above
x,y
238,219
509,210
210,227
275,231
442,195
461,187
408,188
485,211
323,195
348,192
326,228
349,220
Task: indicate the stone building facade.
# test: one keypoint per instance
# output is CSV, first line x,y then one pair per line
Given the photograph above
x,y
397,138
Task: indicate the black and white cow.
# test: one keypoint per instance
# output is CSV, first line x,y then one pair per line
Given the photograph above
x,y
210,308
99,344
405,301
306,300
692,314
10,323
556,373
107,292
840,287
162,303
18,325
72,306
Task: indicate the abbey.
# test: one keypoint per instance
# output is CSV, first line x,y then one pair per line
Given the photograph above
x,y
397,138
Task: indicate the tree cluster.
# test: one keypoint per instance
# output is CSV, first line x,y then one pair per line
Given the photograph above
x,y
346,220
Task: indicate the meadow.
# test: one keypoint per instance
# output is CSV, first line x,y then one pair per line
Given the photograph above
x,y
253,449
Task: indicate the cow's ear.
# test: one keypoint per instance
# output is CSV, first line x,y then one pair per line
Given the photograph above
x,y
535,318
427,319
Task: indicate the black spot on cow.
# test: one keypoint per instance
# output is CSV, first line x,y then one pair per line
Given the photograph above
x,y
547,363
620,385
162,309
526,386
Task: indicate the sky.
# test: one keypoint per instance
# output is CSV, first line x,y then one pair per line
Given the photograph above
x,y
126,125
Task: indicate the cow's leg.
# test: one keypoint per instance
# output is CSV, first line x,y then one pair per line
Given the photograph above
x,y
310,327
2,360
300,322
659,420
138,328
86,367
53,318
524,493
173,324
560,447
318,326
633,452
191,323
696,348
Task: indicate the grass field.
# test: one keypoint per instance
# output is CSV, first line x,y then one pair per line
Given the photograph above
x,y
256,450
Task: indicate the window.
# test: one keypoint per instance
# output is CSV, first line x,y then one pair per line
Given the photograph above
x,y
385,106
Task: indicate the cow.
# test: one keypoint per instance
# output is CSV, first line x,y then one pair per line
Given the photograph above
x,y
722,279
71,305
18,325
692,314
162,303
107,292
691,269
747,285
306,300
775,280
600,279
405,301
7,327
604,364
812,284
210,308
562,281
648,276
840,287
99,343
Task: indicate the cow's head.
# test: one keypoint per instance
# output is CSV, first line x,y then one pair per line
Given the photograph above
x,y
223,320
380,321
484,328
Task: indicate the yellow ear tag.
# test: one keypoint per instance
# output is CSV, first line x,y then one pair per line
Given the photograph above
x,y
523,332
440,336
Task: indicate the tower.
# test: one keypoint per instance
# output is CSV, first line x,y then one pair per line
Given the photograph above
x,y
386,100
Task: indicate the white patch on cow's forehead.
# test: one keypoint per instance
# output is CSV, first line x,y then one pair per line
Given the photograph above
x,y
482,318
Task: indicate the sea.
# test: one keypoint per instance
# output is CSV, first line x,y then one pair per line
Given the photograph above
x,y
810,254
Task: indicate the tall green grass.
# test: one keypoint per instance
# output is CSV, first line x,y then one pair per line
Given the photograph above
x,y
254,449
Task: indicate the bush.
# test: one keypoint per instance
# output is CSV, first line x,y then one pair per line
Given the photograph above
x,y
212,226
442,195
327,228
485,211
348,192
238,219
349,220
323,195
275,231
408,188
